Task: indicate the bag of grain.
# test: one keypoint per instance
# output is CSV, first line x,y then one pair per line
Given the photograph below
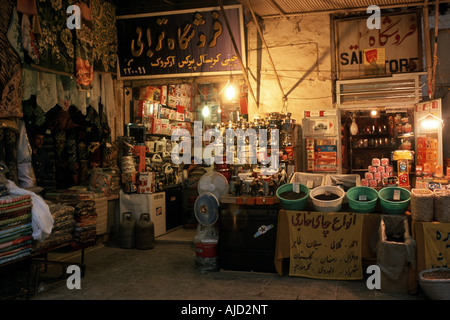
x,y
442,205
422,205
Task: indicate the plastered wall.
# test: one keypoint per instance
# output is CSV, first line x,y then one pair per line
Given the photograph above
x,y
300,49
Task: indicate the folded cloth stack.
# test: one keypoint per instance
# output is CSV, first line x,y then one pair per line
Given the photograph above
x,y
63,227
69,196
85,222
15,227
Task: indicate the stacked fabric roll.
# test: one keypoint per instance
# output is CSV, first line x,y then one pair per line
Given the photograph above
x,y
85,222
15,227
63,227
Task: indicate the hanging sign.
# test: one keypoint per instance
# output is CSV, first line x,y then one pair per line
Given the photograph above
x,y
174,43
325,245
437,244
394,48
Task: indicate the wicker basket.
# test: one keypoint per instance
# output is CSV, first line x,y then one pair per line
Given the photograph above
x,y
422,205
442,205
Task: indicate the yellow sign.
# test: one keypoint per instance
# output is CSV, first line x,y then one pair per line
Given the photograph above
x,y
325,245
437,244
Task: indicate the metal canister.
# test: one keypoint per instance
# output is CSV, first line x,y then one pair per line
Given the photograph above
x,y
127,231
145,232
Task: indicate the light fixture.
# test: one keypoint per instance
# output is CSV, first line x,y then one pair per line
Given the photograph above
x,y
230,91
206,112
354,126
373,113
430,122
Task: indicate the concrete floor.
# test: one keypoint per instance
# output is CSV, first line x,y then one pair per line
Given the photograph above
x,y
168,272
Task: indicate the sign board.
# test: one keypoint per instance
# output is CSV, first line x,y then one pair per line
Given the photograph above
x,y
325,245
437,244
394,48
180,43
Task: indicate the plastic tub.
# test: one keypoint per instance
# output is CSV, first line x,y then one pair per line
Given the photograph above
x,y
327,205
298,204
368,206
394,207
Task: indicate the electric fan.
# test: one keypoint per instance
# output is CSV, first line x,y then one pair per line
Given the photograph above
x,y
211,187
213,182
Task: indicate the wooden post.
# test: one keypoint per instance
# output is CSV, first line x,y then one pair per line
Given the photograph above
x,y
436,27
244,70
426,34
267,49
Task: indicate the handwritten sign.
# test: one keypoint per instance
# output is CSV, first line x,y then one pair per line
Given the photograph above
x,y
399,40
180,42
325,245
437,244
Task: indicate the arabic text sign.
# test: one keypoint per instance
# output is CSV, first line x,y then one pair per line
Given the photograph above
x,y
398,38
437,244
325,245
179,42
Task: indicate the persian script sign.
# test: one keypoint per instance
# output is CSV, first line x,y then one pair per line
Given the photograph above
x,y
437,244
325,245
180,42
399,39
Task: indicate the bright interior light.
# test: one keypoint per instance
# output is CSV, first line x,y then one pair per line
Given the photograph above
x,y
230,92
373,113
205,111
430,122
219,110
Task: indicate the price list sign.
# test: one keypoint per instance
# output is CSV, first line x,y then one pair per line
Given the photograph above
x,y
437,244
325,245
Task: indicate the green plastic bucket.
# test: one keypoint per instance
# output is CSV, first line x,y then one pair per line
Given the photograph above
x,y
368,206
394,207
298,204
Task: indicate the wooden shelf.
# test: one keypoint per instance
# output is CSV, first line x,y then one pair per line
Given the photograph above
x,y
373,148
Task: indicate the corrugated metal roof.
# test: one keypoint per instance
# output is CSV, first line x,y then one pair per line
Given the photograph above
x,y
268,8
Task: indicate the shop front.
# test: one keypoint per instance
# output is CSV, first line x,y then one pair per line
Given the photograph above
x,y
186,128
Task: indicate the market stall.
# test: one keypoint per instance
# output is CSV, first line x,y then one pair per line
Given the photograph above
x,y
125,116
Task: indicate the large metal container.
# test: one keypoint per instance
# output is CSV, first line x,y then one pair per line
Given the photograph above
x,y
145,233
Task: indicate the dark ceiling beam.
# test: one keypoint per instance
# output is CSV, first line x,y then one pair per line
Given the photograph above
x,y
344,10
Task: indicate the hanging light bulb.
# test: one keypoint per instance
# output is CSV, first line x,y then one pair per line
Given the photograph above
x,y
206,112
230,91
354,126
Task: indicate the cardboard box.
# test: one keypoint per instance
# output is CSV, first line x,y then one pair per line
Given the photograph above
x,y
146,182
399,285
